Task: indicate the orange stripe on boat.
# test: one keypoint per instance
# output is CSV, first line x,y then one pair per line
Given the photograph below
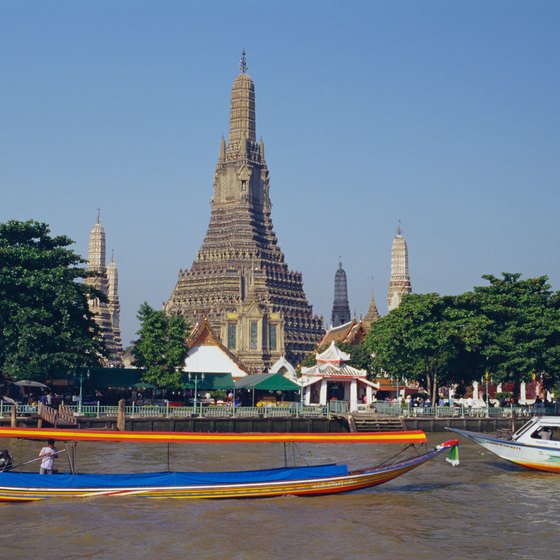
x,y
539,467
412,436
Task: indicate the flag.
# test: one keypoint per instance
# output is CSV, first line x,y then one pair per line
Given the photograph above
x,y
453,456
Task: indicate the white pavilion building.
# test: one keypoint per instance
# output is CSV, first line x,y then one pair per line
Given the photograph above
x,y
332,370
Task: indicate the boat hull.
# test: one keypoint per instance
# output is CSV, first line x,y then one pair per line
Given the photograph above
x,y
298,484
534,457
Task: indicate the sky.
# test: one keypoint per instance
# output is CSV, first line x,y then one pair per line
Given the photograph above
x,y
443,115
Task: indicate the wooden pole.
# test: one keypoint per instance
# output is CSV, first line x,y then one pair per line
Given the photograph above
x,y
121,416
14,416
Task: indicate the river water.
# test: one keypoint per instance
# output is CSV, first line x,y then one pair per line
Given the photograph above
x,y
484,508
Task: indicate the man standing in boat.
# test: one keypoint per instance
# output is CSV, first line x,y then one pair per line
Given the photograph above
x,y
49,454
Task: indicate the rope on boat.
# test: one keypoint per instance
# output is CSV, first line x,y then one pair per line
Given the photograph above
x,y
390,460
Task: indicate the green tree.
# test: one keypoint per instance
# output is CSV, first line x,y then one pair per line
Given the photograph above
x,y
510,327
160,348
524,333
359,356
45,322
428,338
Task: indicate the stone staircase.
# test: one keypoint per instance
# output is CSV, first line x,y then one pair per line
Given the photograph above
x,y
371,422
61,418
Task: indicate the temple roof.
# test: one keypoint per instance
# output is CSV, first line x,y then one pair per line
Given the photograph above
x,y
333,370
283,366
352,332
333,354
211,352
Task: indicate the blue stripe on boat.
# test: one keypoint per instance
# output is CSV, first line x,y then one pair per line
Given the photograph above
x,y
67,481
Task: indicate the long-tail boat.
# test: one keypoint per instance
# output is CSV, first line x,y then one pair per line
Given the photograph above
x,y
299,481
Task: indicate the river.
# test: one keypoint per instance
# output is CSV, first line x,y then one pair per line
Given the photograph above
x,y
483,508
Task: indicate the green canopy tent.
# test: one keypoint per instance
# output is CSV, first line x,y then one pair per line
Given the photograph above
x,y
97,378
211,381
266,382
102,378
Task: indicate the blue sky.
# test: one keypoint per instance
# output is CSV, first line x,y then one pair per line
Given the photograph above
x,y
442,114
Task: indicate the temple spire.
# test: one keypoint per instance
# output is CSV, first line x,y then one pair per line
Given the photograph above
x,y
106,310
239,279
242,113
399,284
372,314
341,308
243,64
96,247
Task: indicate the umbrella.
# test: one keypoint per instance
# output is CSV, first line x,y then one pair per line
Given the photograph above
x,y
29,383
144,386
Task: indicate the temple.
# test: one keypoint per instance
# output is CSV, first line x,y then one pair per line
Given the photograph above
x,y
332,377
105,280
239,281
399,284
341,308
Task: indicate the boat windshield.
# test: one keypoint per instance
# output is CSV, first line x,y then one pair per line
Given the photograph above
x,y
525,428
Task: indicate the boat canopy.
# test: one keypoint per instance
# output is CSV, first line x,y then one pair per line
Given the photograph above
x,y
142,480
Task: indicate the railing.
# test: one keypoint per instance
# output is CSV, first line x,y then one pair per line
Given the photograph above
x,y
65,413
338,407
462,411
48,413
294,410
166,411
21,409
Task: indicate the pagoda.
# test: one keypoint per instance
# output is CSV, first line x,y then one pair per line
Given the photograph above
x,y
372,314
399,283
239,280
341,308
105,311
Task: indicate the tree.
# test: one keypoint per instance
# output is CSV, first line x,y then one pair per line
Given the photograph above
x,y
45,322
428,338
160,348
510,328
524,333
360,358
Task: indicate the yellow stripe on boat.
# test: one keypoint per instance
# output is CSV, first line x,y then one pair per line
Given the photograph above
x,y
412,436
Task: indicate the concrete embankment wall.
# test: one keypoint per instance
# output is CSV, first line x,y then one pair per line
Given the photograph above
x,y
488,425
226,425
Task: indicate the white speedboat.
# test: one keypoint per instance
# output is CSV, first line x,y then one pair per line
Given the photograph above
x,y
536,445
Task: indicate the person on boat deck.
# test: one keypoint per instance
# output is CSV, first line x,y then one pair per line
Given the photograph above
x,y
49,454
6,460
545,433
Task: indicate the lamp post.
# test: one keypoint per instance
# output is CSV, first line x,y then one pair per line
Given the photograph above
x,y
486,376
81,390
197,377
